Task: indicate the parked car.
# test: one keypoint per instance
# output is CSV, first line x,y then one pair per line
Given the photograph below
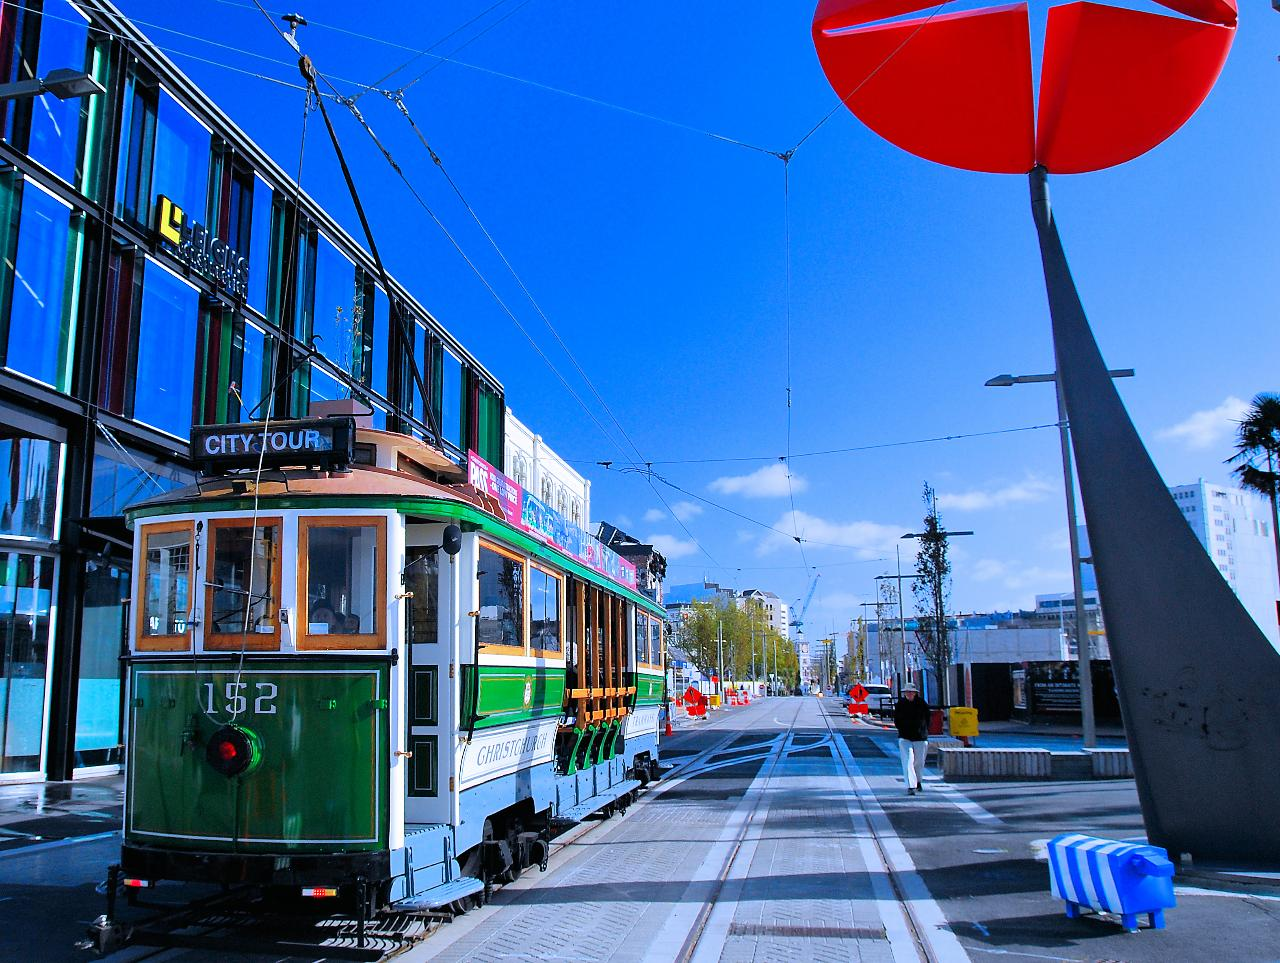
x,y
879,699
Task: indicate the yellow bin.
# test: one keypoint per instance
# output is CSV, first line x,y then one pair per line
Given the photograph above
x,y
964,722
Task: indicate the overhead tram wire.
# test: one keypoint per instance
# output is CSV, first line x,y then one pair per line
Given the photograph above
x,y
834,451
470,263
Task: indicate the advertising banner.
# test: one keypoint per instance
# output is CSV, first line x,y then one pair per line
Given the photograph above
x,y
537,518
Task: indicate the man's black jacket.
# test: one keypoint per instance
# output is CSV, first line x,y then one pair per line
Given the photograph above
x,y
911,716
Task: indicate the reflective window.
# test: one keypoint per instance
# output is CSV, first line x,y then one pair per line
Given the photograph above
x,y
42,262
655,642
120,479
376,369
165,612
326,304
29,486
325,387
259,252
251,351
137,148
182,153
242,603
422,346
422,578
452,408
102,641
642,637
344,560
544,610
26,599
164,381
501,620
488,440
55,124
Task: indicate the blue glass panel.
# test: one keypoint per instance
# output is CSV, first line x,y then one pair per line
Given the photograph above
x,y
260,246
324,387
254,377
451,407
45,288
119,483
181,171
28,487
55,124
26,598
377,370
334,318
421,345
165,378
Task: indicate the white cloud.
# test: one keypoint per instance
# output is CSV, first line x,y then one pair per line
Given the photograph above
x,y
686,510
672,547
1205,429
1031,489
767,482
654,515
867,539
1034,578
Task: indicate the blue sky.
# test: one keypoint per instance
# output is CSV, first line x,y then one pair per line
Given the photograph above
x,y
658,252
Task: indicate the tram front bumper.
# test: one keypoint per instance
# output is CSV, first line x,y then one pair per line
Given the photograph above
x,y
260,869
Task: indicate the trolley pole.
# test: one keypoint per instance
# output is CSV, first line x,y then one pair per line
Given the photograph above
x,y
751,615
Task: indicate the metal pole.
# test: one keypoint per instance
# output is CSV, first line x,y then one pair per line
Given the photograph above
x,y
752,616
1084,665
720,659
902,624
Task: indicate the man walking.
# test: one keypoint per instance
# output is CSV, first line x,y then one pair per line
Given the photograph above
x,y
911,717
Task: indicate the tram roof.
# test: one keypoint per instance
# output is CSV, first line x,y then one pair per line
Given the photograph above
x,y
365,487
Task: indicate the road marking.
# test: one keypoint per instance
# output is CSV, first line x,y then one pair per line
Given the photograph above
x,y
866,811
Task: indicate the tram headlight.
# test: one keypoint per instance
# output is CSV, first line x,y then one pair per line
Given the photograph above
x,y
234,751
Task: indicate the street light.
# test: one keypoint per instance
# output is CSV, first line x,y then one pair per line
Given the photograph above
x,y
64,83
1083,661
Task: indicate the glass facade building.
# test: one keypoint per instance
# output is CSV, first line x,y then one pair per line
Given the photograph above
x,y
158,271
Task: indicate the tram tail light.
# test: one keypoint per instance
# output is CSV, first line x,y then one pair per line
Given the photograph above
x,y
234,751
320,892
138,883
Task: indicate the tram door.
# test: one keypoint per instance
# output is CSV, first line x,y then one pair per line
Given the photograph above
x,y
428,712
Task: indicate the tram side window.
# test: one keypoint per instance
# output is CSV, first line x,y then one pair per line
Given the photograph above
x,y
243,586
422,578
344,561
501,621
544,611
166,588
642,637
655,642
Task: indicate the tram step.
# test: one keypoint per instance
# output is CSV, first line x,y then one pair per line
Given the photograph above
x,y
584,809
438,896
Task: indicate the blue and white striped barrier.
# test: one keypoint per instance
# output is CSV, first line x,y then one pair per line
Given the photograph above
x,y
1103,875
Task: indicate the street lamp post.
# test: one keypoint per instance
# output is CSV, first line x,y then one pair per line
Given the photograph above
x,y
64,83
1088,726
940,535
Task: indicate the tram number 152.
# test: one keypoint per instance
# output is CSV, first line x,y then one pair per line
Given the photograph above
x,y
238,698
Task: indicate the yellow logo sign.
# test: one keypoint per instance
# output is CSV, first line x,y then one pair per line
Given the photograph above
x,y
170,218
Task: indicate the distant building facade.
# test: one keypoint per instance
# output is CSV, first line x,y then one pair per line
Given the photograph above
x,y
777,610
535,467
1234,526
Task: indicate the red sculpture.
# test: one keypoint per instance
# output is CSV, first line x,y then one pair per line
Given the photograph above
x,y
956,88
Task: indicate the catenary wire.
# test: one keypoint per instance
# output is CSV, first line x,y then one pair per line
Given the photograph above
x,y
834,451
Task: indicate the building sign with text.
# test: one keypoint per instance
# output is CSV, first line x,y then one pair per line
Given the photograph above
x,y
536,517
201,250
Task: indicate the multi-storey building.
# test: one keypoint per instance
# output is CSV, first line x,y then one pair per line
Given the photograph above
x,y
1234,526
534,466
158,270
776,609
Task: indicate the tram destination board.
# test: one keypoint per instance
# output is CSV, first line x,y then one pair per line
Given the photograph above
x,y
319,442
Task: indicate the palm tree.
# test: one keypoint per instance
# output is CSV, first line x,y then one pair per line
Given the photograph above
x,y
1258,439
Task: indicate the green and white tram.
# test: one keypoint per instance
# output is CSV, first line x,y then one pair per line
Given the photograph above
x,y
353,673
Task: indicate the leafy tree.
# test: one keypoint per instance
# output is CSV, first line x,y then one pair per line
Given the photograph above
x,y
932,590
743,630
1258,439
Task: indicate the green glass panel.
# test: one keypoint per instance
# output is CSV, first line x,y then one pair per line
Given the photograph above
x,y
323,778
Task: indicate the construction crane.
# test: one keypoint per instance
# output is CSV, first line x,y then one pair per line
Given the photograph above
x,y
797,622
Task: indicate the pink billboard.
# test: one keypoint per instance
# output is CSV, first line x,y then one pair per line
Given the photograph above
x,y
535,517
